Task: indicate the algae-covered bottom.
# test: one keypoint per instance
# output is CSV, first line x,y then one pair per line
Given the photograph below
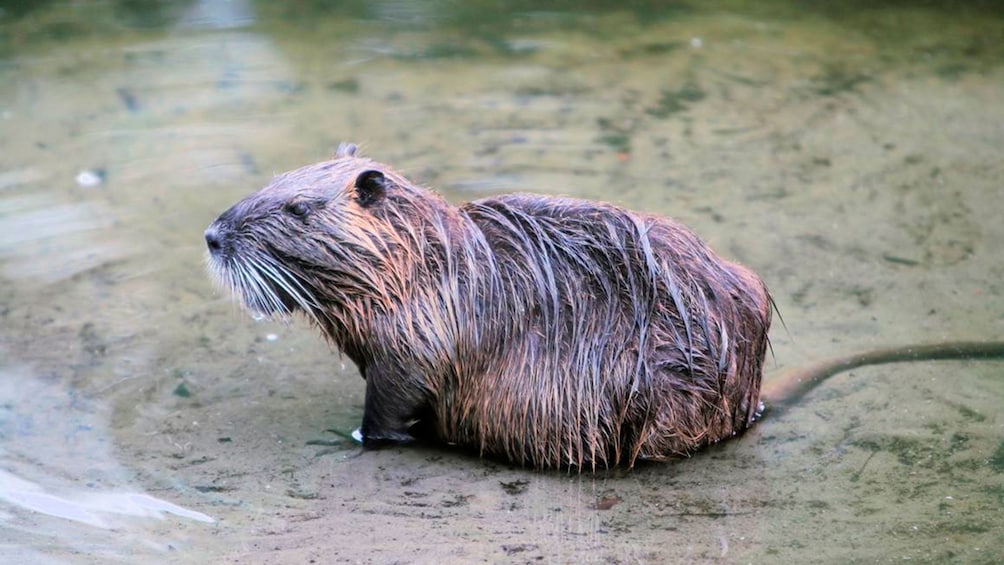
x,y
850,156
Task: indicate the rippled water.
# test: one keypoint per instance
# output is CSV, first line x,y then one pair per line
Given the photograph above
x,y
850,154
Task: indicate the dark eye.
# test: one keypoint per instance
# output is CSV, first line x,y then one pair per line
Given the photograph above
x,y
298,208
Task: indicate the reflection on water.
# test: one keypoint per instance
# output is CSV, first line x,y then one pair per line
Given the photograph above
x,y
61,440
217,15
87,508
51,241
849,152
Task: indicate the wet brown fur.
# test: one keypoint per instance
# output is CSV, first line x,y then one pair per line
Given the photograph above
x,y
552,332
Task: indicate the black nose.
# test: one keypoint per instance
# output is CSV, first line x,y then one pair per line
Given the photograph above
x,y
214,240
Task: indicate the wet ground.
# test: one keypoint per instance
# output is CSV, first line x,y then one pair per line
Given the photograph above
x,y
852,157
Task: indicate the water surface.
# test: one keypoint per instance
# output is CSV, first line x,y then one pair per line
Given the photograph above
x,y
850,155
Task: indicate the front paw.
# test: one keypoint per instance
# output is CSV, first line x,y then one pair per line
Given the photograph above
x,y
377,438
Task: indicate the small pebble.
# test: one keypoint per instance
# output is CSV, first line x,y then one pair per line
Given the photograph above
x,y
90,179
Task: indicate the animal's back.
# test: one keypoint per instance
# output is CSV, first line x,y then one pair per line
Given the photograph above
x,y
609,338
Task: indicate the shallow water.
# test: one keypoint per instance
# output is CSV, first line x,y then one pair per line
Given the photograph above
x,y
851,156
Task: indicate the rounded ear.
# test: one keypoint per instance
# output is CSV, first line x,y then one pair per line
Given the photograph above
x,y
371,186
345,150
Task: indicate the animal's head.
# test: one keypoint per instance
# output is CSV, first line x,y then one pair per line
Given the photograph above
x,y
313,235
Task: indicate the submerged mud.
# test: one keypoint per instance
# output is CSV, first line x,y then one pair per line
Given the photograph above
x,y
850,158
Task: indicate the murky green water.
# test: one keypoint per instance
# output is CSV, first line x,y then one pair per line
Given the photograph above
x,y
850,155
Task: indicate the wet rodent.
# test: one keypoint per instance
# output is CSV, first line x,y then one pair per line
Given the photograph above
x,y
547,331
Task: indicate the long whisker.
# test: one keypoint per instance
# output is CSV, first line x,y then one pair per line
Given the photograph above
x,y
255,291
267,291
282,277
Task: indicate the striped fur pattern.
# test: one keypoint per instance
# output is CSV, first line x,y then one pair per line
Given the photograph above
x,y
551,332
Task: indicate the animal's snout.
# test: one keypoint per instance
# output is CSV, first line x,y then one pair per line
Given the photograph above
x,y
214,239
